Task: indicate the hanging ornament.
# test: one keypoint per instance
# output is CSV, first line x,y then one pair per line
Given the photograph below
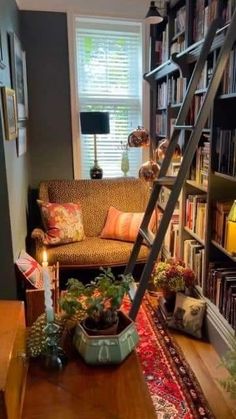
x,y
139,138
149,171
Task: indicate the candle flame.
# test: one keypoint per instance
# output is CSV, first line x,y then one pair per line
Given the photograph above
x,y
45,259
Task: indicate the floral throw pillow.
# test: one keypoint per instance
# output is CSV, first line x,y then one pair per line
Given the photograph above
x,y
124,225
31,269
188,315
62,222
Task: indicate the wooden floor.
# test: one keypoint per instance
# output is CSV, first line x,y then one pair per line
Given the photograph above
x,y
205,362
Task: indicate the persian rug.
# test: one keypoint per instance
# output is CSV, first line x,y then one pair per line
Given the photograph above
x,y
175,391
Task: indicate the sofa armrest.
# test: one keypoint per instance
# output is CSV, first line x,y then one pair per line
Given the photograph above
x,y
38,235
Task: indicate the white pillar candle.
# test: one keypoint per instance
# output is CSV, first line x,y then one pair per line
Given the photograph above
x,y
48,296
45,259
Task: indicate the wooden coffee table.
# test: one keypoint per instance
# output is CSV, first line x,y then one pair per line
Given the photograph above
x,y
80,391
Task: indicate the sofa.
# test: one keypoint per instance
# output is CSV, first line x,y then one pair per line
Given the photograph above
x,y
95,197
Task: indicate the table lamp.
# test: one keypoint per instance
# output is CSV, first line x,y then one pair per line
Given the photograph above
x,y
95,123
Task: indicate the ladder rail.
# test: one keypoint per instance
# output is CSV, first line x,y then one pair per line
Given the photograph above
x,y
174,138
186,162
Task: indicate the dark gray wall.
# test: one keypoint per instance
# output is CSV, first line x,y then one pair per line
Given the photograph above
x,y
13,173
45,40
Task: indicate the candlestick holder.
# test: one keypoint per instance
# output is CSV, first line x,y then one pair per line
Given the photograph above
x,y
54,355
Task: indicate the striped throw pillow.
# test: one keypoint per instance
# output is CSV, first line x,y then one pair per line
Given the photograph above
x,y
124,226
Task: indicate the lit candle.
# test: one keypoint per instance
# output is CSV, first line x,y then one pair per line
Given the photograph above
x,y
45,259
48,296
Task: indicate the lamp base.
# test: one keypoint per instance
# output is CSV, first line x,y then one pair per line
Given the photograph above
x,y
96,172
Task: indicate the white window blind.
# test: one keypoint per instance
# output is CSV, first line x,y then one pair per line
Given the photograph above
x,y
109,67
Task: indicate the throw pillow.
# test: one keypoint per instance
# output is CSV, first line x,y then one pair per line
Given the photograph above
x,y
188,315
124,225
31,269
62,222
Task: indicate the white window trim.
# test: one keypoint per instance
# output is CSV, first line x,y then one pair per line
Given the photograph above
x,y
75,128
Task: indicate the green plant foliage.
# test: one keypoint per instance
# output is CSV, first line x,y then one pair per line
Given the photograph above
x,y
99,300
229,362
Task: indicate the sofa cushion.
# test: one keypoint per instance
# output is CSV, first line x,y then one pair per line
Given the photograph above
x,y
123,225
96,196
94,252
31,269
62,222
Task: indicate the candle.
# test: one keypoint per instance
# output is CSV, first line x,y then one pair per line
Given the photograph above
x,y
48,296
45,259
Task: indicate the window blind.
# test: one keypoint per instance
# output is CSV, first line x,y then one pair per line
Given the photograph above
x,y
109,67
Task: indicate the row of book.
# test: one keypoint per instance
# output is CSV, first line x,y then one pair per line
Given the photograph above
x,y
228,10
200,168
194,110
225,161
220,213
178,45
161,123
221,290
194,254
162,97
179,21
176,89
229,77
203,16
205,75
170,92
195,214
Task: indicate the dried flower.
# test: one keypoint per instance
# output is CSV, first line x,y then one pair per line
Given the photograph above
x,y
172,275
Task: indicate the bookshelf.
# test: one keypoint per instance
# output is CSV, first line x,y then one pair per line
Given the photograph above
x,y
198,226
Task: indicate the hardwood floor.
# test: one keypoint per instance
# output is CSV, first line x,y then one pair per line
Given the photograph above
x,y
205,362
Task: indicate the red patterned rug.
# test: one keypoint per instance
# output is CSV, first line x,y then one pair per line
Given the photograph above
x,y
173,386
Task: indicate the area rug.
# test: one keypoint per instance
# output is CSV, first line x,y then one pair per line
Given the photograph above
x,y
173,386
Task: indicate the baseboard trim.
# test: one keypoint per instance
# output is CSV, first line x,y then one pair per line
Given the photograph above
x,y
217,330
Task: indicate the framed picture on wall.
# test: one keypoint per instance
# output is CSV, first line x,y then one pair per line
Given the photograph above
x,y
2,65
18,73
21,142
9,113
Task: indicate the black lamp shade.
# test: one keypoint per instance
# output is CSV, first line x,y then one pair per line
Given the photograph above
x,y
153,16
94,122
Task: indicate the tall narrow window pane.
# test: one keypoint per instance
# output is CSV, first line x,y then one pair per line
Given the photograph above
x,y
109,57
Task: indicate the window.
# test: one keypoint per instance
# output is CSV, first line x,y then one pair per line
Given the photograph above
x,y
109,67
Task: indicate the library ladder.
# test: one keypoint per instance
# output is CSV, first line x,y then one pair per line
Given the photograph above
x,y
176,183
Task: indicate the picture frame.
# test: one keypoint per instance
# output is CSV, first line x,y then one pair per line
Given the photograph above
x,y
19,77
2,65
9,113
21,142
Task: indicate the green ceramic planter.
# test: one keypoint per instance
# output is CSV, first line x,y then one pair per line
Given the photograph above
x,y
109,349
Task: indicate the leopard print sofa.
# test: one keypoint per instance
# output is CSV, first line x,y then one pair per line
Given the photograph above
x,y
95,197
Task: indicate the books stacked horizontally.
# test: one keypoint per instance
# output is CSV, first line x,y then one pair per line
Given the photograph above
x,y
221,290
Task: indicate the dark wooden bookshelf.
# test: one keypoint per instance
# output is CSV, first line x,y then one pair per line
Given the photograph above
x,y
219,186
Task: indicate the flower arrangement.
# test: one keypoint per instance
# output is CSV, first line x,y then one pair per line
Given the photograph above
x,y
172,275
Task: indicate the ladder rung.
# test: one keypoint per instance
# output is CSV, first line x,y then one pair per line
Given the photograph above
x,y
185,127
166,180
132,290
148,236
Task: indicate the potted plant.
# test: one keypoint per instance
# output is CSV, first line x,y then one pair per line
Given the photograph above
x,y
172,276
106,334
229,362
